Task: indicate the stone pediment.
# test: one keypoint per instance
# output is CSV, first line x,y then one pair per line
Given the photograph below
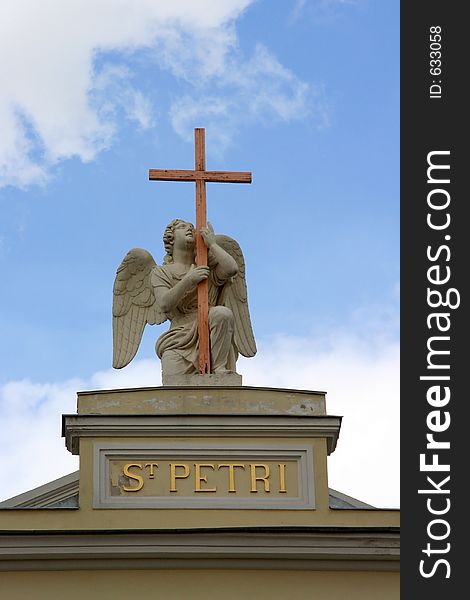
x,y
63,493
59,493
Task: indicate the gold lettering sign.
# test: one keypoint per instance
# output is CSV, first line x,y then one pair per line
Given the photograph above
x,y
138,478
282,478
255,478
174,476
231,474
200,478
185,478
181,474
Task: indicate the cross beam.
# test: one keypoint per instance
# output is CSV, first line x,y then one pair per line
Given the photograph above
x,y
200,176
182,175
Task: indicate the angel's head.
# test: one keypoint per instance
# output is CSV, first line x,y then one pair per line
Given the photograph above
x,y
178,231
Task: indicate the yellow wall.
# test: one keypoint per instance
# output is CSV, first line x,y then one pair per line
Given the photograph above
x,y
195,585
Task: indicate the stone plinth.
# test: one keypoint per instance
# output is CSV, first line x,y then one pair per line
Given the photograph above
x,y
201,400
212,379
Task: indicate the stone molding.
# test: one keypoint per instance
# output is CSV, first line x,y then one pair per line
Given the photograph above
x,y
322,549
75,427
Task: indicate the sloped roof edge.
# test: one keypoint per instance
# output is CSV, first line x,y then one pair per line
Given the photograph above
x,y
63,493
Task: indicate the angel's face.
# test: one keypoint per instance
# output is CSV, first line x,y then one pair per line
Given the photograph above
x,y
184,235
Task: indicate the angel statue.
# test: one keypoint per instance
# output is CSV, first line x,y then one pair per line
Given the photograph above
x,y
146,293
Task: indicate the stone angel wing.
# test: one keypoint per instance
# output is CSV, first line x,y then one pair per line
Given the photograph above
x,y
134,305
234,296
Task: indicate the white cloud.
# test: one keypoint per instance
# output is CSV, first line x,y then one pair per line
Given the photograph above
x,y
259,89
322,10
139,373
49,73
64,85
113,92
140,110
361,378
31,449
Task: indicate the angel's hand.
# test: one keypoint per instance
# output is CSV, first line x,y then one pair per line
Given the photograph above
x,y
208,235
195,276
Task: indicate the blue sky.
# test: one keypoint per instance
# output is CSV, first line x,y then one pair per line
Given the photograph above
x,y
303,94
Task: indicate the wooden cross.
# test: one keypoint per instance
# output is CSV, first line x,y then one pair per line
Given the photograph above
x,y
200,176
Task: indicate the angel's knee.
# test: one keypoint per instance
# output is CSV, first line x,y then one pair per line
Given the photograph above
x,y
175,364
219,315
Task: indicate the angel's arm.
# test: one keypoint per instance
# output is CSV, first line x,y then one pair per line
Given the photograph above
x,y
226,265
168,298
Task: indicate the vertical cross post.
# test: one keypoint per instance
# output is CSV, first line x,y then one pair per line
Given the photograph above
x,y
200,176
201,253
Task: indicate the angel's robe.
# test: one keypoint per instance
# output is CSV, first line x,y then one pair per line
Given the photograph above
x,y
182,337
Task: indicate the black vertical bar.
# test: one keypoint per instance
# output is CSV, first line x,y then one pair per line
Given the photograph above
x,y
433,119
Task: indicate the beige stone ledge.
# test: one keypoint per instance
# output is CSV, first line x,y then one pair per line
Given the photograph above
x,y
211,400
309,549
76,427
